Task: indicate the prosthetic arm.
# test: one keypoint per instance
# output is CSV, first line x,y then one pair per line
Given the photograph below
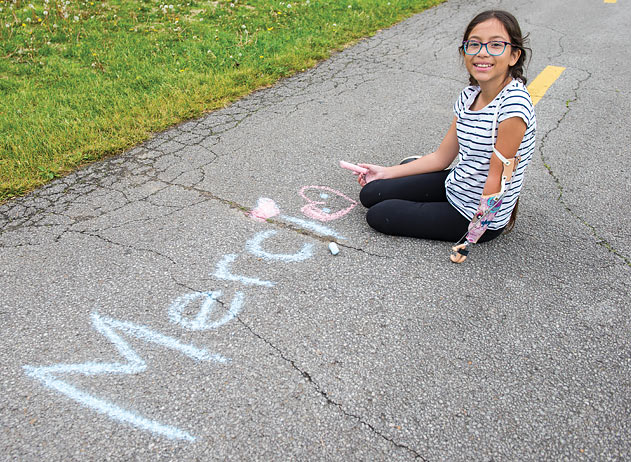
x,y
488,208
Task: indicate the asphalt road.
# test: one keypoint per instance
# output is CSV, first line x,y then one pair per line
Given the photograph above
x,y
145,315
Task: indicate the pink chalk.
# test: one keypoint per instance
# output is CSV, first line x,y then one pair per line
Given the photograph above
x,y
353,167
314,209
265,208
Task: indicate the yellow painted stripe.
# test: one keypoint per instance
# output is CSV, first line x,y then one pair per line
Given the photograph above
x,y
543,81
611,1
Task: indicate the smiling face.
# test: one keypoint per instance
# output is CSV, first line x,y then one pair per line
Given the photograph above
x,y
491,70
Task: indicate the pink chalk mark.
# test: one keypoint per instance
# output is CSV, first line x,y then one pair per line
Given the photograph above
x,y
313,209
265,208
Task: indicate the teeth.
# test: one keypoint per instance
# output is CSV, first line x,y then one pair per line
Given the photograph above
x,y
483,65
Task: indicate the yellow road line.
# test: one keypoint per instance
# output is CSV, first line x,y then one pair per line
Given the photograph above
x,y
611,1
543,81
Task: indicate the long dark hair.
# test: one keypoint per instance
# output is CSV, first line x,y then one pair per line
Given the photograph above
x,y
518,40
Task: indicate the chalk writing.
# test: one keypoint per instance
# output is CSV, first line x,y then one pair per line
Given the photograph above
x,y
312,226
48,375
222,271
266,208
201,321
254,247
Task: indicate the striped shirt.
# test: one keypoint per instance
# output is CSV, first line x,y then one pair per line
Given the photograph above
x,y
465,183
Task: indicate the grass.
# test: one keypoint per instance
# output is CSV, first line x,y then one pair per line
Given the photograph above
x,y
81,80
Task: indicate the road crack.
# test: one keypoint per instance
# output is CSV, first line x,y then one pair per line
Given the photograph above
x,y
601,240
307,376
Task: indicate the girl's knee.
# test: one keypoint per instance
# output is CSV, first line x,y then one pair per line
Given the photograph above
x,y
377,217
370,194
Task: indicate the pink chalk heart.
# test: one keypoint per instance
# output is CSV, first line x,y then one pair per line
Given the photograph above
x,y
326,207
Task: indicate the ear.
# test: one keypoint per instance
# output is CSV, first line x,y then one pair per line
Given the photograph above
x,y
514,56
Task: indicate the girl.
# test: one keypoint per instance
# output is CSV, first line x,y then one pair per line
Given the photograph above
x,y
476,199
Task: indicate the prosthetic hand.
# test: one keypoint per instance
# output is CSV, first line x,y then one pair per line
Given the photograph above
x,y
488,208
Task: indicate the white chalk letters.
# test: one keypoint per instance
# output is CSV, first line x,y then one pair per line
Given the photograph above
x,y
197,311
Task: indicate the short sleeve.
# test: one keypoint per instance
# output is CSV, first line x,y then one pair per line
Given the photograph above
x,y
461,102
517,104
458,105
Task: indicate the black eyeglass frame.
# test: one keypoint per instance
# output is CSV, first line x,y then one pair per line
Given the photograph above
x,y
485,45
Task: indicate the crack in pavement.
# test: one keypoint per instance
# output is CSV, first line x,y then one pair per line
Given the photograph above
x,y
325,395
599,238
173,209
126,246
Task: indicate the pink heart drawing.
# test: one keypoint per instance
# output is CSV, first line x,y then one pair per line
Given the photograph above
x,y
318,209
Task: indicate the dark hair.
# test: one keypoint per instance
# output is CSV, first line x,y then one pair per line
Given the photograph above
x,y
514,33
513,218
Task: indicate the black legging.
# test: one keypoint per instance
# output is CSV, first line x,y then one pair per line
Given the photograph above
x,y
416,206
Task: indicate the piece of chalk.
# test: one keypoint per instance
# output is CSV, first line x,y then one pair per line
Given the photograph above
x,y
334,248
353,167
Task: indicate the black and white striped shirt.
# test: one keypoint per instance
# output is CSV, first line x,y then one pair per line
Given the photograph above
x,y
466,181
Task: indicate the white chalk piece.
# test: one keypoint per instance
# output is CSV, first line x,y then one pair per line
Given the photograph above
x,y
334,248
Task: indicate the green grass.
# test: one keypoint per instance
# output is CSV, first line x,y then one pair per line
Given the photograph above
x,y
81,80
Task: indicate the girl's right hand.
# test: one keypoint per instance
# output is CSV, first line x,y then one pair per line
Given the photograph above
x,y
375,172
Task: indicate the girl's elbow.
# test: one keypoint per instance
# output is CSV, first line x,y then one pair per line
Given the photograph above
x,y
447,160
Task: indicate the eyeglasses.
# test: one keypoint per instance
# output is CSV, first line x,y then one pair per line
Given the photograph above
x,y
494,47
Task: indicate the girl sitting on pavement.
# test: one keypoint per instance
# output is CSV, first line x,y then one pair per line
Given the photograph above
x,y
477,199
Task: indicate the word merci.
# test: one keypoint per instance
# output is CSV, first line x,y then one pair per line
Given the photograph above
x,y
112,329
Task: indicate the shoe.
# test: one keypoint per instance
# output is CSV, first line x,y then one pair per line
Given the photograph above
x,y
409,159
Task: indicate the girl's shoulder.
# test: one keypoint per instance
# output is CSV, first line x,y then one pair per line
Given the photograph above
x,y
516,102
517,89
466,97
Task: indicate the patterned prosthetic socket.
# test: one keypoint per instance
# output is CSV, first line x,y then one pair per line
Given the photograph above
x,y
489,206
